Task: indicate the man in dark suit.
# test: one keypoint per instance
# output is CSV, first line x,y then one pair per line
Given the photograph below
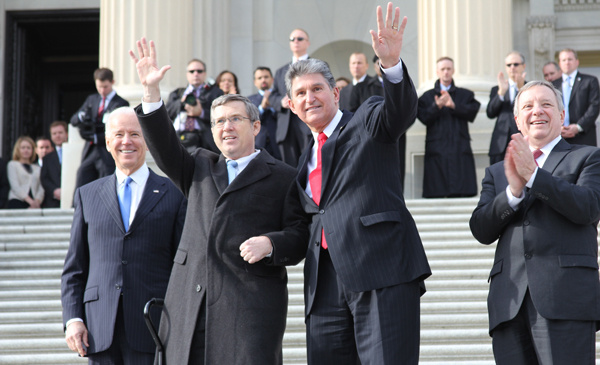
x,y
446,110
501,102
581,98
542,204
4,185
51,169
266,138
189,108
96,162
124,236
227,297
292,134
365,264
358,69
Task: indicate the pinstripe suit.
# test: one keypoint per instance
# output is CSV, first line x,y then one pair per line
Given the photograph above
x,y
104,263
373,241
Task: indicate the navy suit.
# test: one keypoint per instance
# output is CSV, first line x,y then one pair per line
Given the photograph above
x,y
267,136
105,264
584,106
373,243
50,178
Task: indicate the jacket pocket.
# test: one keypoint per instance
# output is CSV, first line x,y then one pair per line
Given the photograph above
x,y
90,294
180,257
578,261
496,269
391,216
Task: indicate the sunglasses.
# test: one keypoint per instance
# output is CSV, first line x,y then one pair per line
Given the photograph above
x,y
299,39
513,64
197,71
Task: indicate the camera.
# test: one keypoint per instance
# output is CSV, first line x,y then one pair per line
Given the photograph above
x,y
190,100
87,125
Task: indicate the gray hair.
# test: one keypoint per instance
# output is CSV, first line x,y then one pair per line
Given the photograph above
x,y
307,67
124,110
518,54
529,85
251,109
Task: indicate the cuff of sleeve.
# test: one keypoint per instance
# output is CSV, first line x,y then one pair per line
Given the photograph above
x,y
394,74
514,201
579,128
73,320
148,108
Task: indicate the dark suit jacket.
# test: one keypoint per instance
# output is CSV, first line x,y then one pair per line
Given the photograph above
x,y
50,178
550,243
372,238
105,263
266,138
4,185
207,95
449,169
292,133
584,107
90,108
345,97
246,304
370,86
505,123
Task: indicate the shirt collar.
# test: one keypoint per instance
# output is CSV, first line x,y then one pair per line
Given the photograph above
x,y
354,82
301,58
330,127
549,147
139,176
244,161
572,75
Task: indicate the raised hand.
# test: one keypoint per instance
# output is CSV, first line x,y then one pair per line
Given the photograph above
x,y
502,84
147,68
387,41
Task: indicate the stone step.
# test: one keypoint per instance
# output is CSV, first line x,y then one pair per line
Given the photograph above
x,y
50,227
35,237
29,295
61,246
31,274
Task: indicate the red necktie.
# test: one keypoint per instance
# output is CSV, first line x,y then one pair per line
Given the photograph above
x,y
101,109
536,154
315,179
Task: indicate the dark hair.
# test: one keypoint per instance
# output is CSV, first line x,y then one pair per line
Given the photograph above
x,y
103,74
235,79
307,67
60,123
263,68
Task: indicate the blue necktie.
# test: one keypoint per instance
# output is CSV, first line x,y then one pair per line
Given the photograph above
x,y
125,202
59,152
231,170
566,98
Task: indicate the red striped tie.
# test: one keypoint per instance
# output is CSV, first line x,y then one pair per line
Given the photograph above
x,y
315,179
536,154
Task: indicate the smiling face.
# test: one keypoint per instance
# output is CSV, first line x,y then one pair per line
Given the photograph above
x,y
314,101
125,141
538,115
234,140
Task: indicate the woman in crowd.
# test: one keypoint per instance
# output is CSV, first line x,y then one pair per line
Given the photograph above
x,y
24,176
228,82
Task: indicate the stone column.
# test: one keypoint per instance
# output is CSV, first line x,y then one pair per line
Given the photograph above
x,y
540,25
477,35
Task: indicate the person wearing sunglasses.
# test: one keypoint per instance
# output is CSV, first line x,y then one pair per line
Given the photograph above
x,y
292,134
189,108
501,104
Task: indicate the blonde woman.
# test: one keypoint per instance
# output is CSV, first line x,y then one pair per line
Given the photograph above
x,y
24,176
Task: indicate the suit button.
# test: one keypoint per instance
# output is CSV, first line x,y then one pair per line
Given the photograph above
x,y
317,243
117,286
198,288
526,223
124,262
527,256
321,211
127,237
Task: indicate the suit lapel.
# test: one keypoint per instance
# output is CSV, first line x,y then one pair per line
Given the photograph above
x,y
257,169
557,154
576,86
328,152
153,192
108,194
219,174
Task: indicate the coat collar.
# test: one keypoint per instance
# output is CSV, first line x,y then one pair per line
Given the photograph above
x,y
256,170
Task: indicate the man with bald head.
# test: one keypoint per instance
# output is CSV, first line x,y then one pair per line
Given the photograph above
x,y
358,69
501,104
292,134
551,71
542,206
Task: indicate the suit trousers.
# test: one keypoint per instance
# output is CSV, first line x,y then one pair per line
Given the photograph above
x,y
530,339
375,327
119,352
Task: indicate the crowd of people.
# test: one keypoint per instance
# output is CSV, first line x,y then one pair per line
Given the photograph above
x,y
312,167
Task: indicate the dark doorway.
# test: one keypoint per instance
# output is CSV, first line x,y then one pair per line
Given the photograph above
x,y
49,61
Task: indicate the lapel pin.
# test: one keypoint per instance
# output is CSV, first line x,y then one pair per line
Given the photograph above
x,y
155,191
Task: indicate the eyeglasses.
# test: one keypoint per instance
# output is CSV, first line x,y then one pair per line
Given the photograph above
x,y
196,71
513,64
299,39
235,120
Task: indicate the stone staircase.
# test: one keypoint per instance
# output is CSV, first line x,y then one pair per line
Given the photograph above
x,y
33,244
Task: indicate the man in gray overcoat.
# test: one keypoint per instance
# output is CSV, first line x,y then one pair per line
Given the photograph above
x,y
226,302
